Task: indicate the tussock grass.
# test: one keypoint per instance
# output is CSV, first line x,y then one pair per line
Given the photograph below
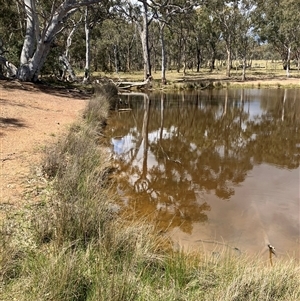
x,y
245,279
105,98
81,249
57,275
10,260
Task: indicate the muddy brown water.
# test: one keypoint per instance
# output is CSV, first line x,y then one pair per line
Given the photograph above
x,y
215,169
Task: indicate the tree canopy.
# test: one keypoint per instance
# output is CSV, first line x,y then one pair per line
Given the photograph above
x,y
54,37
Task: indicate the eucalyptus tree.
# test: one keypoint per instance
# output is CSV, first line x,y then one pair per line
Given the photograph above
x,y
162,16
142,15
119,46
94,15
64,58
87,28
165,11
207,35
113,34
224,14
199,39
43,22
245,40
181,39
277,22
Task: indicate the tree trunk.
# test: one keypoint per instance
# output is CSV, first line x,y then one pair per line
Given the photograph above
x,y
144,35
146,56
288,61
244,69
128,65
178,59
64,59
163,55
228,65
179,54
30,71
70,36
86,77
37,43
153,66
212,60
184,58
28,66
10,68
30,34
116,59
198,59
66,68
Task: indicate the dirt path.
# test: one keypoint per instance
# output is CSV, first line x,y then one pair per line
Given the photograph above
x,y
31,116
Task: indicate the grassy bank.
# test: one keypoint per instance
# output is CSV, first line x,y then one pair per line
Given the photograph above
x,y
74,245
262,74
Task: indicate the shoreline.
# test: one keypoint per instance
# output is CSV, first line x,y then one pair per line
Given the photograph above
x,y
195,81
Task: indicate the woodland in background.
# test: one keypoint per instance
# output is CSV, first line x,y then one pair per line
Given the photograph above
x,y
67,38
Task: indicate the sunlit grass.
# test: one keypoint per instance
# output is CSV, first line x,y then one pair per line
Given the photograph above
x,y
262,74
259,69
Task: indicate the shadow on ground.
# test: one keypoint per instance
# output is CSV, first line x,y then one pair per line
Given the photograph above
x,y
11,122
58,89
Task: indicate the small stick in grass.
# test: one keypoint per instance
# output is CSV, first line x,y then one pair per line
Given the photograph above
x,y
271,252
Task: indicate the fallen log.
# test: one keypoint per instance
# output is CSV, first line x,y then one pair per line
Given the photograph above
x,y
125,110
133,93
129,85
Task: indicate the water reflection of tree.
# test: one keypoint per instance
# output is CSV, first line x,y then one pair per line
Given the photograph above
x,y
164,185
277,137
201,145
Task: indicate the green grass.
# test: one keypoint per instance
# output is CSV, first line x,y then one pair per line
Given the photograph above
x,y
74,246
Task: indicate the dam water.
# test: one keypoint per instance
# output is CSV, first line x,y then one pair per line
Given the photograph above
x,y
212,168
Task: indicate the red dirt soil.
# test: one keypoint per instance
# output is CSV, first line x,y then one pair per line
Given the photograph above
x,y
31,117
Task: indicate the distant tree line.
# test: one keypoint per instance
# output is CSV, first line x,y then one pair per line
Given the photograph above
x,y
63,37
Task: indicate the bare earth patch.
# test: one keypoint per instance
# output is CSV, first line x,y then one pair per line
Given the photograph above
x,y
31,116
